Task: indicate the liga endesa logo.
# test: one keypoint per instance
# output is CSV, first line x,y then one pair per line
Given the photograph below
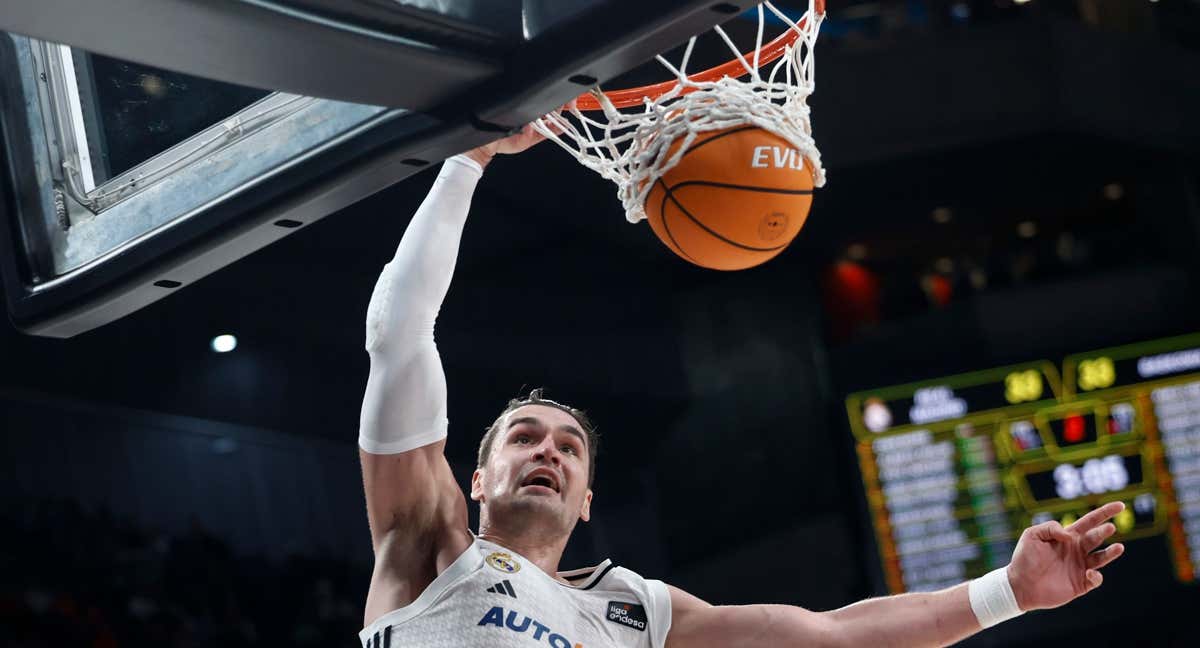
x,y
627,614
526,625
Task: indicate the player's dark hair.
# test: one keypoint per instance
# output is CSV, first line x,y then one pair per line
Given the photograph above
x,y
535,398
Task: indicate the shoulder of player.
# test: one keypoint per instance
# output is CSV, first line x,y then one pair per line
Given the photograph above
x,y
606,576
587,577
683,602
614,581
407,564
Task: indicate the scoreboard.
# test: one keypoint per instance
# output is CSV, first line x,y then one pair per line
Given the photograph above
x,y
955,468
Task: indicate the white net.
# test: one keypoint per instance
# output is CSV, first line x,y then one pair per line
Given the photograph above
x,y
634,148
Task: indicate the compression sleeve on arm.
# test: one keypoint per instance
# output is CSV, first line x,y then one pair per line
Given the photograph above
x,y
405,402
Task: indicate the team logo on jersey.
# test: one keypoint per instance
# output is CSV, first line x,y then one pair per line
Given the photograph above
x,y
503,562
523,624
627,614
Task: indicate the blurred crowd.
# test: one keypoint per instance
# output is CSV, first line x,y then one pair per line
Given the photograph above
x,y
88,579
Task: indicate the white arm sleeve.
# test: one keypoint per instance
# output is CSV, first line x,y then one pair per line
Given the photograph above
x,y
405,402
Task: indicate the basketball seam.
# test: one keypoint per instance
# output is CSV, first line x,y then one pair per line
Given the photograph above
x,y
671,195
725,185
662,215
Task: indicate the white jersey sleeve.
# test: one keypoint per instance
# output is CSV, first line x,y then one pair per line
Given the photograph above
x,y
660,619
658,604
405,402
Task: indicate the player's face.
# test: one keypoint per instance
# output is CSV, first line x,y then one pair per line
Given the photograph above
x,y
539,461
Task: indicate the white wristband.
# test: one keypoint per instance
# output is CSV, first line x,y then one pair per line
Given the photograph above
x,y
992,598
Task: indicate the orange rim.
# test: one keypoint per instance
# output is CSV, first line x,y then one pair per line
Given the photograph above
x,y
634,96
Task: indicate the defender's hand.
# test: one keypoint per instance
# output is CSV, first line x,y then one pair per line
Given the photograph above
x,y
1053,565
512,144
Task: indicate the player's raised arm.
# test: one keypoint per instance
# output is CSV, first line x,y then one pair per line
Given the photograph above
x,y
417,513
1051,567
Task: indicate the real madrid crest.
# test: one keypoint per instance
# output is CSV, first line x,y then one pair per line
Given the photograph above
x,y
503,562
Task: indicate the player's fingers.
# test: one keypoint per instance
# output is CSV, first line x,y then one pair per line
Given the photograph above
x,y
530,133
1097,536
551,124
1096,517
1050,531
1094,578
1103,557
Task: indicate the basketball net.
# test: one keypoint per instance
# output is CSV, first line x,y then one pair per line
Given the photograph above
x,y
633,148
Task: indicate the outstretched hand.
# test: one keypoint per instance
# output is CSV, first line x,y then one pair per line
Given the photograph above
x,y
1053,565
515,143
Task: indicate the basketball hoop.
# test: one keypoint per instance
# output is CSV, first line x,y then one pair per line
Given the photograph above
x,y
632,142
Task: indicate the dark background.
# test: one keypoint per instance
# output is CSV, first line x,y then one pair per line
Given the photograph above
x,y
161,493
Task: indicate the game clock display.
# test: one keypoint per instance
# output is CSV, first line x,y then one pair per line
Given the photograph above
x,y
955,468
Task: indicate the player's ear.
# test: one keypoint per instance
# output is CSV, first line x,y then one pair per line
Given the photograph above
x,y
477,485
585,512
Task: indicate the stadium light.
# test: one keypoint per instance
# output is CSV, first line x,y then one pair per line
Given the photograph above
x,y
224,343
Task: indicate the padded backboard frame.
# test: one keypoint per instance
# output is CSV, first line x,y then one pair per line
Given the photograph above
x,y
452,81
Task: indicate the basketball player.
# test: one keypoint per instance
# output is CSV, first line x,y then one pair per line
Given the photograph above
x,y
438,585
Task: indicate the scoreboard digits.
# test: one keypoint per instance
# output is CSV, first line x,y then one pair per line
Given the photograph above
x,y
1096,373
1023,386
955,468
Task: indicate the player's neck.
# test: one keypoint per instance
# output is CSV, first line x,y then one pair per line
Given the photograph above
x,y
534,547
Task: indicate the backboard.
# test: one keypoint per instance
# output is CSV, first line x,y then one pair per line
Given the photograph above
x,y
149,143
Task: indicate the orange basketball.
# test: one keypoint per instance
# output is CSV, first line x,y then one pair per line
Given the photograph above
x,y
736,199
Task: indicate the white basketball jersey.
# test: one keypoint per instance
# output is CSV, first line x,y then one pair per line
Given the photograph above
x,y
492,597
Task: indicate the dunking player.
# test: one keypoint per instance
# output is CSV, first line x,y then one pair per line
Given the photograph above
x,y
438,585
